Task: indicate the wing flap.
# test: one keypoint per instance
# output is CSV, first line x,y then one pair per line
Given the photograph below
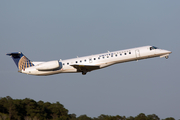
x,y
86,67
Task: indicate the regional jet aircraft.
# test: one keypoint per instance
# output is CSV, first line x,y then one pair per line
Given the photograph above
x,y
87,63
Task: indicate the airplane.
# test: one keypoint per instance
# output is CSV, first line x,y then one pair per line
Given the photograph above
x,y
87,63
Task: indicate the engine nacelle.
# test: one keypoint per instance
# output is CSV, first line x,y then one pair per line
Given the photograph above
x,y
49,66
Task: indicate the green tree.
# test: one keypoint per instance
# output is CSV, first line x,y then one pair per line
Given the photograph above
x,y
84,117
141,116
120,117
48,112
72,116
3,102
102,117
4,116
20,109
130,118
58,110
153,117
42,111
31,107
169,118
10,106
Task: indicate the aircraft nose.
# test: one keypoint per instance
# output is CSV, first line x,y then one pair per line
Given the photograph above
x,y
168,52
161,51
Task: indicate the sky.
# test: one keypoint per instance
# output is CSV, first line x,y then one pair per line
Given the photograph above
x,y
51,30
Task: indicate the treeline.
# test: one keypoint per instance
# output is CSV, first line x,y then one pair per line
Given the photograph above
x,y
28,109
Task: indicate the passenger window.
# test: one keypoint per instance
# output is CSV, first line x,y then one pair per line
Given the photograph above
x,y
84,60
80,60
103,57
63,63
107,56
94,58
76,61
111,55
129,52
116,55
67,63
120,54
124,53
98,57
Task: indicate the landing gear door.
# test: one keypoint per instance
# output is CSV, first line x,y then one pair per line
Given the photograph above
x,y
137,53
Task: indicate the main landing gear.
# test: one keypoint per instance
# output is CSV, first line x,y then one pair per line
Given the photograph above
x,y
84,72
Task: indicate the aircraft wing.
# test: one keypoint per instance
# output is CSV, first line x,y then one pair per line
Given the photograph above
x,y
86,67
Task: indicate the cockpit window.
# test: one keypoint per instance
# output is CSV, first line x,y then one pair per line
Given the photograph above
x,y
153,47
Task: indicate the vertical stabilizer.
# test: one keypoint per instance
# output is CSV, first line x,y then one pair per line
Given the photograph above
x,y
21,61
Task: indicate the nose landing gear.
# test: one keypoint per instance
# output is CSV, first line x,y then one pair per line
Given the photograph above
x,y
167,57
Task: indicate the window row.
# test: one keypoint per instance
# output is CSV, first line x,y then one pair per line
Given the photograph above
x,y
103,57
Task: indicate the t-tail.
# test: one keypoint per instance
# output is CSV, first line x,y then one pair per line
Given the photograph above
x,y
21,61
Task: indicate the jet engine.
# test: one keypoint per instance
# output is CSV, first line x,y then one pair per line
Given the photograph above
x,y
49,66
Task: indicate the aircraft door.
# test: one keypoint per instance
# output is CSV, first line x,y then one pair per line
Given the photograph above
x,y
137,53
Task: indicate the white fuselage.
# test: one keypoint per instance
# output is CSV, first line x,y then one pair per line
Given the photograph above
x,y
101,60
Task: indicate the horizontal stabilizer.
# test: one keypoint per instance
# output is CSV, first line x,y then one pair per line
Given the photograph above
x,y
15,54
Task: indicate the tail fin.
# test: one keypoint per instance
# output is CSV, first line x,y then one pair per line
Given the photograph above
x,y
20,60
